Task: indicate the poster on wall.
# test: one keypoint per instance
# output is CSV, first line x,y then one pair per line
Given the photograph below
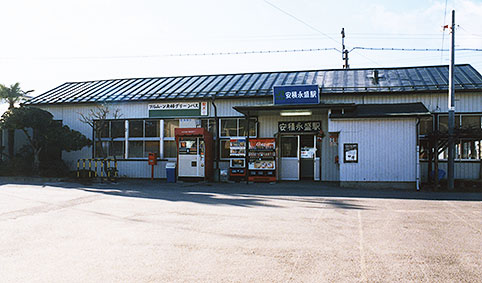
x,y
350,151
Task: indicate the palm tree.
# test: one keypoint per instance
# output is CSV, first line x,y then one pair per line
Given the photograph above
x,y
12,95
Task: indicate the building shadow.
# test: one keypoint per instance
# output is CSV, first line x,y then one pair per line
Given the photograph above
x,y
306,194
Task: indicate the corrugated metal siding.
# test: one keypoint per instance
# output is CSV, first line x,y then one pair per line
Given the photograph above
x,y
466,102
463,169
225,106
437,102
386,149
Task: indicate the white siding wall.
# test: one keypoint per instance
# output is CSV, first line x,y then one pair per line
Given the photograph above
x,y
386,149
70,115
464,101
463,169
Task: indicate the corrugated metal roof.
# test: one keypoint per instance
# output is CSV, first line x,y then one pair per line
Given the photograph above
x,y
341,81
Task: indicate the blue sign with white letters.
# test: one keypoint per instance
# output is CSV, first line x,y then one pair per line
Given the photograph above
x,y
296,94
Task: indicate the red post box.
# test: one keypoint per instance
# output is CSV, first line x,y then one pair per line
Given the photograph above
x,y
152,158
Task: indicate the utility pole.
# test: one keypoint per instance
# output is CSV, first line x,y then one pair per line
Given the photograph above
x,y
451,106
344,52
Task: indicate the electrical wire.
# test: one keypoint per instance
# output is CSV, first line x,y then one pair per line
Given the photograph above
x,y
412,49
301,21
186,54
252,52
315,29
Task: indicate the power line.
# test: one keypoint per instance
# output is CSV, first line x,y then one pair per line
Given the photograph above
x,y
301,21
186,54
253,52
248,53
412,49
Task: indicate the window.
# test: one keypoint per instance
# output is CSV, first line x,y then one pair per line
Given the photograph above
x,y
470,149
225,152
289,146
118,129
208,124
169,126
136,149
426,126
144,138
152,128
236,127
471,121
112,139
465,149
170,149
243,128
229,127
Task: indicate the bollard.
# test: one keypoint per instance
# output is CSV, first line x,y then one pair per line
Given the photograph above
x,y
90,168
78,168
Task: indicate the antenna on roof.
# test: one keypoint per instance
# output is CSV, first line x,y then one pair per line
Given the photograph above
x,y
344,52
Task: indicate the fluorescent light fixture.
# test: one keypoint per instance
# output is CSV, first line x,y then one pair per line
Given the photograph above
x,y
295,113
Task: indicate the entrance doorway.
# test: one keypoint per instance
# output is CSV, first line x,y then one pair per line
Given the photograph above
x,y
298,157
307,157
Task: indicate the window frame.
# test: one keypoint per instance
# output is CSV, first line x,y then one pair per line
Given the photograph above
x,y
238,119
459,118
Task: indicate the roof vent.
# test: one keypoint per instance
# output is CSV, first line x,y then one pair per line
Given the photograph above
x,y
375,76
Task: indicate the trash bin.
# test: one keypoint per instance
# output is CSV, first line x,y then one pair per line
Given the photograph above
x,y
171,172
224,175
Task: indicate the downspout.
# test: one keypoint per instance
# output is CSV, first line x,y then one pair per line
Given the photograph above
x,y
247,147
417,156
216,142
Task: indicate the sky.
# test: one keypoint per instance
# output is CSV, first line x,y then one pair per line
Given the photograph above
x,y
49,42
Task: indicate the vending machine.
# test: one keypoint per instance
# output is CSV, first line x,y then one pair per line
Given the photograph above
x,y
237,162
194,154
262,160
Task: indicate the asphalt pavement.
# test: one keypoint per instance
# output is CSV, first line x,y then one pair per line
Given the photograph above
x,y
142,231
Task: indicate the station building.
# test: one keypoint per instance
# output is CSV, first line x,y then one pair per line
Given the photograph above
x,y
358,127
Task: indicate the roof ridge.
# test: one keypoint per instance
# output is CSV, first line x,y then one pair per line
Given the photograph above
x,y
272,72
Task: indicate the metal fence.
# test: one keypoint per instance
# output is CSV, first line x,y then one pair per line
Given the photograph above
x,y
97,167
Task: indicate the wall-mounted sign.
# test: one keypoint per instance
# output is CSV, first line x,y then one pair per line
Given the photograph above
x,y
299,127
178,109
350,152
296,94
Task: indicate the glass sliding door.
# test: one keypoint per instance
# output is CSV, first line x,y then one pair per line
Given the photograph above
x,y
289,158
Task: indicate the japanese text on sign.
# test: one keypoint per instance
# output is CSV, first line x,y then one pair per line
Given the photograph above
x,y
174,106
296,94
299,127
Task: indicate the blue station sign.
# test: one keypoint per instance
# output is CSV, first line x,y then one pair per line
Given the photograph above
x,y
296,94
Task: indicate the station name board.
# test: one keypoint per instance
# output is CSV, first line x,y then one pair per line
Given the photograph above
x,y
299,127
178,109
296,94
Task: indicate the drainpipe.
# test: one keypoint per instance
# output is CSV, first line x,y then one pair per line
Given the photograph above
x,y
216,142
247,147
417,167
